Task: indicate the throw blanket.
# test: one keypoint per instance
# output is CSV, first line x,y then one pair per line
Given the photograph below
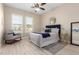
x,y
44,35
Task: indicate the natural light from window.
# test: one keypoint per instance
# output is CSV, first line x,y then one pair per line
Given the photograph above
x,y
28,24
17,22
21,25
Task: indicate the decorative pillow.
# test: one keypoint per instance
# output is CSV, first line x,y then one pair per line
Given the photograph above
x,y
47,30
54,30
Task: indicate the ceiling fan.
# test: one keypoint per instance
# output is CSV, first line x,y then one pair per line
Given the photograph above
x,y
38,6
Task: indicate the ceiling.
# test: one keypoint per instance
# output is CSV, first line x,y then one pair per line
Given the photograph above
x,y
27,7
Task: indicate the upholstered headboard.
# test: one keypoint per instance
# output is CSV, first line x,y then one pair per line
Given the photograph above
x,y
55,26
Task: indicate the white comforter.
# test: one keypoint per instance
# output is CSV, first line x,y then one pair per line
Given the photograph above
x,y
41,42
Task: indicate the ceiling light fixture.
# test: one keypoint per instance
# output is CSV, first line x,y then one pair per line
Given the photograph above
x,y
37,9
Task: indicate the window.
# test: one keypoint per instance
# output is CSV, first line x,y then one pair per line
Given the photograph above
x,y
20,25
28,24
17,22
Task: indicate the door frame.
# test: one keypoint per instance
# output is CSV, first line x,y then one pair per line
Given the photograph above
x,y
71,33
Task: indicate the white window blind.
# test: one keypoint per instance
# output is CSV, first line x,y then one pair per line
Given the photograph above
x,y
17,22
28,24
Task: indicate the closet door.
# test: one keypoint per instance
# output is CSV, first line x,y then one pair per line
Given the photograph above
x,y
75,33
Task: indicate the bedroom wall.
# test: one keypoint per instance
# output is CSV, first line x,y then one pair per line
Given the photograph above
x,y
64,14
1,23
8,12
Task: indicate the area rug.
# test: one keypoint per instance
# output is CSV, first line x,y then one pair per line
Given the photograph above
x,y
56,47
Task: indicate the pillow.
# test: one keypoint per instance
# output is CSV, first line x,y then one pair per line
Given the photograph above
x,y
47,30
54,30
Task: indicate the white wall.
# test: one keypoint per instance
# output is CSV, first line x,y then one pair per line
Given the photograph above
x,y
8,22
1,23
64,14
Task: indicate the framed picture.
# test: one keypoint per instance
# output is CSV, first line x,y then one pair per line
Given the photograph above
x,y
75,33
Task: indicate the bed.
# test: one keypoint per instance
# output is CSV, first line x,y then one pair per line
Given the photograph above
x,y
46,38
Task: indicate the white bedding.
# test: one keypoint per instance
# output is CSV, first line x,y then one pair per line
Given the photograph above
x,y
41,42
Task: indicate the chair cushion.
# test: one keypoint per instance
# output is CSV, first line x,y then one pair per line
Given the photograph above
x,y
12,37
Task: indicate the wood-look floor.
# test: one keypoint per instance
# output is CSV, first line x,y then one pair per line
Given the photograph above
x,y
25,47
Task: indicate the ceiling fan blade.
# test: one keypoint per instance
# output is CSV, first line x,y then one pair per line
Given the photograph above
x,y
42,8
33,6
36,5
43,4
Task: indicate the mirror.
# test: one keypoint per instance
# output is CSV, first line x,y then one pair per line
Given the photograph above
x,y
52,20
75,33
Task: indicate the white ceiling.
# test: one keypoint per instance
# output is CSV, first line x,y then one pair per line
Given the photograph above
x,y
27,7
